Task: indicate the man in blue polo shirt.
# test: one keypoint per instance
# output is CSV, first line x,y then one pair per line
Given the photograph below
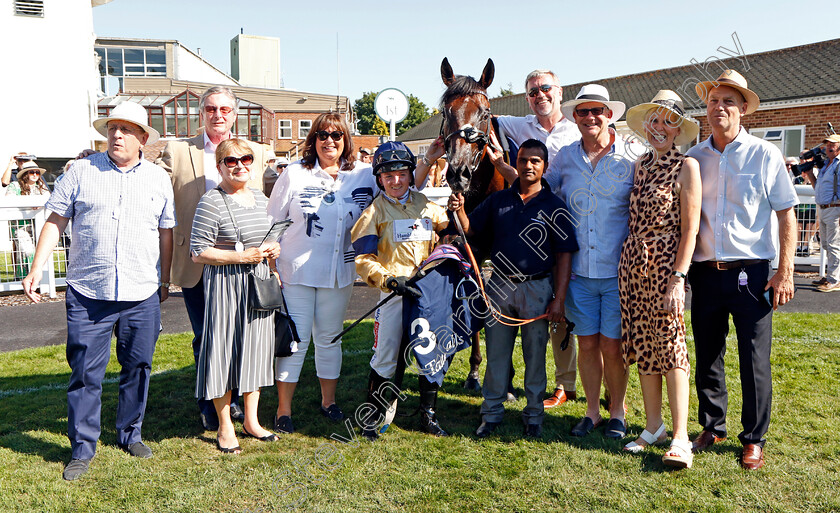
x,y
531,242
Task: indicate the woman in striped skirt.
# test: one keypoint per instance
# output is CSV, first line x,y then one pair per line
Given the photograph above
x,y
237,348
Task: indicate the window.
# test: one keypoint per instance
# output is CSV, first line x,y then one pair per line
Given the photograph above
x,y
789,139
31,8
304,126
133,62
284,128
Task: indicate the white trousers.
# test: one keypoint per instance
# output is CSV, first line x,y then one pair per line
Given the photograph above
x,y
830,241
387,334
318,314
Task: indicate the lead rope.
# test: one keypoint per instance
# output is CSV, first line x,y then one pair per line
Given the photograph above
x,y
499,316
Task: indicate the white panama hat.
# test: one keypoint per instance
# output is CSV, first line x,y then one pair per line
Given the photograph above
x,y
668,100
593,93
131,112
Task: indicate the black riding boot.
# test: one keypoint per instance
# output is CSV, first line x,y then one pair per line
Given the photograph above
x,y
428,402
375,381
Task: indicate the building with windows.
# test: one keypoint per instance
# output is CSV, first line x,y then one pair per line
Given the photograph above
x,y
798,88
255,61
168,78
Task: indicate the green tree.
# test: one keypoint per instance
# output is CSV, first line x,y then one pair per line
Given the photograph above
x,y
370,124
507,91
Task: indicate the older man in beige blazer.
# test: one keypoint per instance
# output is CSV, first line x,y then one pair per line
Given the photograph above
x,y
191,164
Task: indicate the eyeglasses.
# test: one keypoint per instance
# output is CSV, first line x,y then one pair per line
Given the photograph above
x,y
596,111
246,160
34,172
323,134
544,88
223,110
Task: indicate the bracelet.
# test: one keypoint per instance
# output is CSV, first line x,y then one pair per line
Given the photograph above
x,y
164,284
679,274
426,161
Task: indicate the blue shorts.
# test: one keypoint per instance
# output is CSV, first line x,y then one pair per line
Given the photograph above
x,y
593,305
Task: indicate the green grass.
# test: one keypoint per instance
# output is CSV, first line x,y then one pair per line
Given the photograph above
x,y
407,470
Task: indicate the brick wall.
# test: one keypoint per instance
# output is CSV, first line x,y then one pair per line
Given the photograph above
x,y
813,117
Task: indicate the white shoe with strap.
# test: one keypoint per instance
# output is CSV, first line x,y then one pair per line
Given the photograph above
x,y
649,438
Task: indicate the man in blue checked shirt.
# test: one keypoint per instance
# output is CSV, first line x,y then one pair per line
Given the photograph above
x,y
122,211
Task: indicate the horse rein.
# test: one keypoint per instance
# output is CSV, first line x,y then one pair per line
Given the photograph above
x,y
499,316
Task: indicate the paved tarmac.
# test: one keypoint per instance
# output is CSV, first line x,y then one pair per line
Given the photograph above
x,y
44,324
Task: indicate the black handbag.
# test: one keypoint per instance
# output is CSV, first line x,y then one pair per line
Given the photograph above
x,y
264,293
286,336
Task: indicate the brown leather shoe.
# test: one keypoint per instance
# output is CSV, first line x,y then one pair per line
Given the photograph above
x,y
705,440
556,399
752,458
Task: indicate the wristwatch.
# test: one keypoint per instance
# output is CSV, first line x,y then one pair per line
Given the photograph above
x,y
679,274
164,284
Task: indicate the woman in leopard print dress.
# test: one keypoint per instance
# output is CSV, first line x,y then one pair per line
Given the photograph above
x,y
664,219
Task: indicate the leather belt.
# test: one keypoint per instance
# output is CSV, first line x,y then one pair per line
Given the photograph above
x,y
725,266
522,278
830,205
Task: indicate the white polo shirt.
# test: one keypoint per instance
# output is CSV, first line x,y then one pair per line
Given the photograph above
x,y
520,129
742,187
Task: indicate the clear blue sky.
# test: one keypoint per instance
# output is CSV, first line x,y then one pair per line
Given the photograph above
x,y
401,43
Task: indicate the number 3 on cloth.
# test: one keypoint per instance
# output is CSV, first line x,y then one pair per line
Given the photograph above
x,y
425,333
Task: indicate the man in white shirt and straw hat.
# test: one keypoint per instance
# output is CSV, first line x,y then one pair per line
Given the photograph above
x,y
744,182
122,210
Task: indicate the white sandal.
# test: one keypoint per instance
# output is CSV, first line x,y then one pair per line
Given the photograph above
x,y
649,438
679,455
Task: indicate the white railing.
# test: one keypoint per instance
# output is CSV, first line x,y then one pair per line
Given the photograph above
x,y
440,195
21,220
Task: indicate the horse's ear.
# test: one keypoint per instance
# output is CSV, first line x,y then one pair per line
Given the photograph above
x,y
487,74
446,72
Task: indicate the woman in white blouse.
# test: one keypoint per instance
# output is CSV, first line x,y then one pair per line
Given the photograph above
x,y
324,194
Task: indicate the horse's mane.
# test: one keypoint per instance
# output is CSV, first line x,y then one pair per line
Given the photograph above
x,y
462,85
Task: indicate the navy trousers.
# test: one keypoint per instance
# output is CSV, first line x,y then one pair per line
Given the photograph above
x,y
715,296
90,324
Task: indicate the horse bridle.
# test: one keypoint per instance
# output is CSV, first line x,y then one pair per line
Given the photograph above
x,y
471,135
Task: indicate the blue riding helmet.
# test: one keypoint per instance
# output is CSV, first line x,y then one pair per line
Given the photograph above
x,y
393,156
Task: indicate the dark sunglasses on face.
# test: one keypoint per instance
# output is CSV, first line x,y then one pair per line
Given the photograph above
x,y
596,111
323,134
211,109
35,173
535,90
246,160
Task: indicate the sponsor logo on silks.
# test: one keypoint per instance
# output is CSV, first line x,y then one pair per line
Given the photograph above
x,y
406,230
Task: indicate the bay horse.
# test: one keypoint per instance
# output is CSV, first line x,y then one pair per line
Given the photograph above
x,y
466,128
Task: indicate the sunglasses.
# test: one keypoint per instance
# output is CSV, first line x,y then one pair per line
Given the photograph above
x,y
535,90
323,134
596,111
34,172
211,109
246,160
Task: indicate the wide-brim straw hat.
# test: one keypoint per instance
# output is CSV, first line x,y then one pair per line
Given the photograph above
x,y
593,93
131,112
832,138
734,80
27,167
665,100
